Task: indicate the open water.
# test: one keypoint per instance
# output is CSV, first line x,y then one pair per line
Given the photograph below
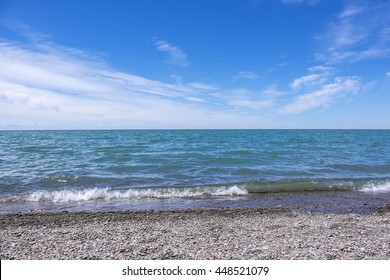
x,y
95,170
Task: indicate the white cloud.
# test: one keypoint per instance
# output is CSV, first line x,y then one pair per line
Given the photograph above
x,y
58,88
310,2
320,88
359,32
196,99
266,99
252,104
322,96
272,92
321,69
202,86
347,31
175,55
307,81
351,11
246,75
319,75
47,86
292,1
388,74
25,30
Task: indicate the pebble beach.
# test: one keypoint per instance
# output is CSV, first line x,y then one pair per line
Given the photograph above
x,y
273,233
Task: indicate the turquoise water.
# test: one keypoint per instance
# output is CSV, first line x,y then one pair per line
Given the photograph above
x,y
117,168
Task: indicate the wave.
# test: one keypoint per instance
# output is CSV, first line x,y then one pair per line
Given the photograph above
x,y
300,185
79,194
75,195
377,187
291,185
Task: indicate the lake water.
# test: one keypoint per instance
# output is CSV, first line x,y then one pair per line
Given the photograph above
x,y
118,170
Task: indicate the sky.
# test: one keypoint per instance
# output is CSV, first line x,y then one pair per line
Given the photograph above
x,y
174,64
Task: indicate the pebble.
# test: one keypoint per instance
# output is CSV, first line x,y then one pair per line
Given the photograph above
x,y
273,233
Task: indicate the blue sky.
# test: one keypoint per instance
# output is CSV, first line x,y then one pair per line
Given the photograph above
x,y
194,64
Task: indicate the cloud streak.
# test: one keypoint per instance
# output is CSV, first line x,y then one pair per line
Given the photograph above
x,y
56,87
38,82
310,2
48,86
323,96
246,75
360,32
319,90
176,56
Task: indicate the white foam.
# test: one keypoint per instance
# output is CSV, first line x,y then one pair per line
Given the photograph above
x,y
108,193
377,187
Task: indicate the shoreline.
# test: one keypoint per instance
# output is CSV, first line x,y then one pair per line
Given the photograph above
x,y
338,202
239,233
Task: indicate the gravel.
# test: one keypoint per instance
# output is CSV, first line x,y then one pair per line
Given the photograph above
x,y
272,233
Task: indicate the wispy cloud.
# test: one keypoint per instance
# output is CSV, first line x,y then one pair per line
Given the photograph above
x,y
177,78
273,92
203,87
318,75
360,32
63,88
322,97
292,1
310,2
351,11
246,75
319,90
45,85
57,87
24,30
252,104
265,99
307,81
176,56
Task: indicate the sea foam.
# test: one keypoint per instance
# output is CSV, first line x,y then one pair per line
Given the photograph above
x,y
68,195
377,186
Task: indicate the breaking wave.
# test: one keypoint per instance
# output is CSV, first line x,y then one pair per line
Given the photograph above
x,y
377,186
227,190
68,195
